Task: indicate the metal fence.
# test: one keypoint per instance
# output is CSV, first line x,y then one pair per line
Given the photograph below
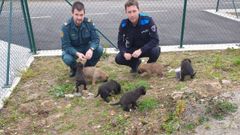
x,y
14,44
203,24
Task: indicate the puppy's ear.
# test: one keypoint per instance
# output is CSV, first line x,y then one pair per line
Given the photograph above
x,y
189,60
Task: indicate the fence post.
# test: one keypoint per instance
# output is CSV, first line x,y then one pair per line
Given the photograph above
x,y
30,26
1,6
217,5
183,23
26,25
235,8
9,44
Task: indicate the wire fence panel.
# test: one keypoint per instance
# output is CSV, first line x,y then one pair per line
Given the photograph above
x,y
18,51
204,26
48,17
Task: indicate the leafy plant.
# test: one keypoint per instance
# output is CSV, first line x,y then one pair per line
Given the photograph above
x,y
61,90
147,104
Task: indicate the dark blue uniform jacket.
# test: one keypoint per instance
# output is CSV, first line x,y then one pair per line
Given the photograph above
x,y
144,35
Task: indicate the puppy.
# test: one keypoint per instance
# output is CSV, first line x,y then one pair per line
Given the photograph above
x,y
151,68
107,88
129,99
80,77
186,69
94,74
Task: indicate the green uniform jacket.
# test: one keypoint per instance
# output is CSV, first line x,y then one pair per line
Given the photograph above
x,y
79,39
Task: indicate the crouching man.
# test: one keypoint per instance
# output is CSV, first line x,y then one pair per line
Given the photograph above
x,y
80,40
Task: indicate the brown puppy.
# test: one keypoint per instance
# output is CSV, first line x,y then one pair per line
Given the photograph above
x,y
151,69
95,74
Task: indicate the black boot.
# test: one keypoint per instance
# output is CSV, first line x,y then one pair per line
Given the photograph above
x,y
72,71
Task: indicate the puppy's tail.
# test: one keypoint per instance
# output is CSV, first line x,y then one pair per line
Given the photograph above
x,y
193,75
118,103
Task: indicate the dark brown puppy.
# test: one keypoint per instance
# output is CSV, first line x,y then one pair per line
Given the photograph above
x,y
186,69
107,88
151,69
80,77
94,74
129,99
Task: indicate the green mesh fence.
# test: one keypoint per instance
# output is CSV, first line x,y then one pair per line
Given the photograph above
x,y
203,24
13,56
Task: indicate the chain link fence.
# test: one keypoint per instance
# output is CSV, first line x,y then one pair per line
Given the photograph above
x,y
202,26
13,56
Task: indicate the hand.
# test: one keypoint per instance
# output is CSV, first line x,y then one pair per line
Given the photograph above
x,y
127,56
81,56
89,54
137,53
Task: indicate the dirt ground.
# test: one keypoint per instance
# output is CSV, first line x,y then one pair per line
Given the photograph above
x,y
208,104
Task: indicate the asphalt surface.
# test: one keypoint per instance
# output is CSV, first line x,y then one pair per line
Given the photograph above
x,y
201,27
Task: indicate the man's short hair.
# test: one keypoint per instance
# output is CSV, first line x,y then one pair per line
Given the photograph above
x,y
131,3
78,5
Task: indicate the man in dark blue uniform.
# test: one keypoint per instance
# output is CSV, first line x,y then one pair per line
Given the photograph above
x,y
137,37
80,40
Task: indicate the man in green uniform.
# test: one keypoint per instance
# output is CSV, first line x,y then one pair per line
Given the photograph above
x,y
80,40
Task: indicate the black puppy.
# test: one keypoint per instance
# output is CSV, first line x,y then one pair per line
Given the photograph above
x,y
186,69
129,99
105,89
80,77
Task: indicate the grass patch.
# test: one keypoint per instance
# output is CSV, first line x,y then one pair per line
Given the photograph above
x,y
127,85
62,89
220,109
180,85
236,61
29,74
171,124
147,104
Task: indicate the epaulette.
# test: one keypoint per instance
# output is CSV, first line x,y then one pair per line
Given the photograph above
x,y
88,20
124,23
144,20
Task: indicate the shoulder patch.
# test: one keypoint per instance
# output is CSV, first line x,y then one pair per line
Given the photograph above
x,y
89,20
144,21
124,23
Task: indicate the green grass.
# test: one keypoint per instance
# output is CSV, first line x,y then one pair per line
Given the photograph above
x,y
180,85
171,124
147,104
67,127
62,89
220,109
29,74
128,86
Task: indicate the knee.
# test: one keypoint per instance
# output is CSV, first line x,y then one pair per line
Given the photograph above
x,y
118,58
156,51
68,59
98,52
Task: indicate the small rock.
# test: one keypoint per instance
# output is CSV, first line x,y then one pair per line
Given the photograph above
x,y
69,95
177,95
97,126
112,112
226,82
